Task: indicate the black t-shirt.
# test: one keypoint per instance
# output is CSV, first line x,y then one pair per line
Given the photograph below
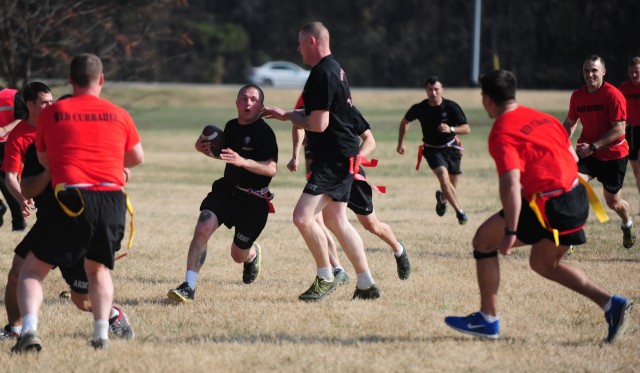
x,y
360,124
327,88
430,118
32,167
252,141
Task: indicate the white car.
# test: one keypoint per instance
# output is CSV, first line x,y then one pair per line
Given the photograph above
x,y
278,74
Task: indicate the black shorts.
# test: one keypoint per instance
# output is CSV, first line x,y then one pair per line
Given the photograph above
x,y
633,139
95,234
565,212
333,179
361,198
450,158
609,173
76,277
236,208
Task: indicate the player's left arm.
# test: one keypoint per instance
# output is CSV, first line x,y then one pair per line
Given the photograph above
x,y
265,168
615,132
135,156
511,203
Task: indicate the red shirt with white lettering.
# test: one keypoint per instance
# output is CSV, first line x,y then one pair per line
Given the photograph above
x,y
15,149
537,144
597,111
631,93
85,138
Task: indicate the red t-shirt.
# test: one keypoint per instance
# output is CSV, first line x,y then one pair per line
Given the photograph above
x,y
85,138
15,149
537,144
597,111
631,93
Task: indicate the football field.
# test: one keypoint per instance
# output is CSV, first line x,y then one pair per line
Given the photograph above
x,y
262,327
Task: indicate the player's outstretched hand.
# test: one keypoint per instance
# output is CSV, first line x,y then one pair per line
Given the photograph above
x,y
231,157
273,112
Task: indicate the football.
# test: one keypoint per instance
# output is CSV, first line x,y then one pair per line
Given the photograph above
x,y
215,136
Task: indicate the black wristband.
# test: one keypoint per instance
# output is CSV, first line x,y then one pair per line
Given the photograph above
x,y
509,232
592,147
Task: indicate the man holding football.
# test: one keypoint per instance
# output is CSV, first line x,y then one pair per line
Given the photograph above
x,y
241,198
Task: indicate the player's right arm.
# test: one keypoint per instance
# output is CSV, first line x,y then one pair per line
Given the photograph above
x,y
32,186
511,198
26,204
402,132
297,136
135,156
570,126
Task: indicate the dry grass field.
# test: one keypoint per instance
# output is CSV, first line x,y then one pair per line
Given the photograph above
x,y
262,327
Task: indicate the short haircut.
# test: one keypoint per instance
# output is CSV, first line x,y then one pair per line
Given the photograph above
x,y
260,92
634,61
431,80
32,91
595,58
85,69
500,85
316,29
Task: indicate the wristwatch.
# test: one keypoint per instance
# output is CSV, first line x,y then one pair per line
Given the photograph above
x,y
453,129
592,147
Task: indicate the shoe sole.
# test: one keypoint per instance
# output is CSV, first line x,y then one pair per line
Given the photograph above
x,y
623,322
174,296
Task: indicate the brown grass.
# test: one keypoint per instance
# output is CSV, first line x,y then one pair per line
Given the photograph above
x,y
263,327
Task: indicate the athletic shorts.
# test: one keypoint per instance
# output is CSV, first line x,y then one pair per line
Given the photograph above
x,y
633,139
42,232
95,234
236,208
609,173
361,198
565,212
76,277
450,158
333,179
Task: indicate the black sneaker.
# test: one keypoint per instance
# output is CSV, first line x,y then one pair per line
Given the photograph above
x,y
368,294
19,226
402,262
441,207
462,218
100,344
318,290
182,294
628,236
3,210
252,268
341,277
6,333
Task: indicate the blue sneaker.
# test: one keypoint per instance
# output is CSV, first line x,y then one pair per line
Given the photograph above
x,y
474,324
617,317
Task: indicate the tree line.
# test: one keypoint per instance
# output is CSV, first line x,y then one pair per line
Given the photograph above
x,y
381,43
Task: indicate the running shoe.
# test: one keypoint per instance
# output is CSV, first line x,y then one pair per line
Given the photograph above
x,y
441,206
341,277
373,292
628,236
6,333
119,325
318,290
252,268
617,317
402,263
474,324
571,250
100,344
462,218
182,294
27,343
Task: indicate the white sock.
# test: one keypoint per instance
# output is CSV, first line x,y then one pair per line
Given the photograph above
x,y
325,273
628,224
489,318
29,322
100,330
191,277
16,329
607,306
399,252
365,281
114,313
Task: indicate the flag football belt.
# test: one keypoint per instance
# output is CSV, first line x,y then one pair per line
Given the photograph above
x,y
76,187
454,143
539,200
263,193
